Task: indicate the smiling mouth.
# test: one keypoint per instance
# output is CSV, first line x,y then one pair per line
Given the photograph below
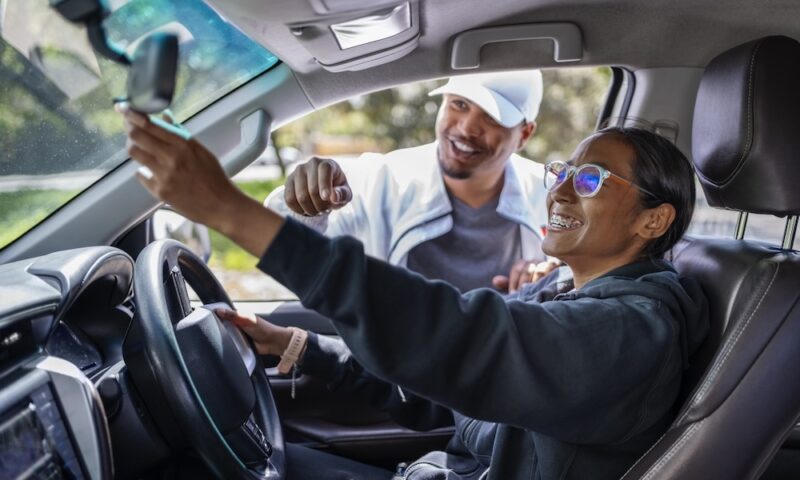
x,y
462,148
562,223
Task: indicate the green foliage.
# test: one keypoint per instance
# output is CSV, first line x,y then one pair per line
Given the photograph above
x,y
572,101
229,256
224,253
21,210
405,116
259,189
380,121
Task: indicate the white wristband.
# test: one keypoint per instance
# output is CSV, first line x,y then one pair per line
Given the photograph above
x,y
293,350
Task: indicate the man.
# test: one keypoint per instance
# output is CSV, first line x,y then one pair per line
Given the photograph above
x,y
464,209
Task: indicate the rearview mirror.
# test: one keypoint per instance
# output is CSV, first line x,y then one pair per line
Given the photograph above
x,y
151,79
152,67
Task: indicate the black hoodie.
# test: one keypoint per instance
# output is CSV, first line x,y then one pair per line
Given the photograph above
x,y
581,383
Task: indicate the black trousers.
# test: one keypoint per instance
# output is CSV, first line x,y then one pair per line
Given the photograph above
x,y
305,463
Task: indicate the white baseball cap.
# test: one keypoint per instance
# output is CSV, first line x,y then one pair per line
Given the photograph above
x,y
509,97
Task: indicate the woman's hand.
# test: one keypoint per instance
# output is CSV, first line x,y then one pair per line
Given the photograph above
x,y
180,171
269,339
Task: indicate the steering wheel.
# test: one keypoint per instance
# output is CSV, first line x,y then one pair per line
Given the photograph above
x,y
199,377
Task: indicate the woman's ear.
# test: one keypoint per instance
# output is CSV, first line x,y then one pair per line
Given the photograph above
x,y
656,221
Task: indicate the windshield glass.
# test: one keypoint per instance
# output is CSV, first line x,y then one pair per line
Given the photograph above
x,y
60,133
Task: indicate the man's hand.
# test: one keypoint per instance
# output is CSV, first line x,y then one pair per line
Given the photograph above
x,y
523,272
316,187
269,339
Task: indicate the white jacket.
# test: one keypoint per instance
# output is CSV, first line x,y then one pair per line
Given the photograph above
x,y
400,201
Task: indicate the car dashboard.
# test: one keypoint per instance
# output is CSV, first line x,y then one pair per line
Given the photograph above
x,y
63,317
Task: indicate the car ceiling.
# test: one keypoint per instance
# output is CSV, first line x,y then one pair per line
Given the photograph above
x,y
634,34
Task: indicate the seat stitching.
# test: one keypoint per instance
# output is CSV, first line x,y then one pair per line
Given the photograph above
x,y
645,454
749,142
673,450
728,349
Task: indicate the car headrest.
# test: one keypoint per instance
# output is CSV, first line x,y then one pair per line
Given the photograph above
x,y
746,131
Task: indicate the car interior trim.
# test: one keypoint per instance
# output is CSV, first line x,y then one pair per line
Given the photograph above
x,y
733,135
789,232
566,37
612,97
741,225
84,413
371,28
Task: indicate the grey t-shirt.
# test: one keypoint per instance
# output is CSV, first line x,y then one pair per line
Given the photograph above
x,y
481,244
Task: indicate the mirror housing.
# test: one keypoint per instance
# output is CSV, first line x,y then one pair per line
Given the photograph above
x,y
152,70
151,79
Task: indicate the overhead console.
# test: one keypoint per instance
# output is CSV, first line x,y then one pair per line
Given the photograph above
x,y
362,38
340,35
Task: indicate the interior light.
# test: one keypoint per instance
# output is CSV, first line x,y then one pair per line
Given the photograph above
x,y
372,28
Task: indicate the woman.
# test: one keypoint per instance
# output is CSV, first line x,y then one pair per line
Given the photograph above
x,y
571,380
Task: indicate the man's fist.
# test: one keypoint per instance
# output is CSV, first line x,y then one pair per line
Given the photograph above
x,y
317,186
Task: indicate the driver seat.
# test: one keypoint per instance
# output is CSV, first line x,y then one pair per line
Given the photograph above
x,y
742,392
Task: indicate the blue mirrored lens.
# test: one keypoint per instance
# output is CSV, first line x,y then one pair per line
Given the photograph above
x,y
587,180
554,175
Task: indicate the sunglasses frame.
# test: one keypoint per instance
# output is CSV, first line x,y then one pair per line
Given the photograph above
x,y
573,171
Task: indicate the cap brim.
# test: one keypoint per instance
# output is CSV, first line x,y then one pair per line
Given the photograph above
x,y
490,102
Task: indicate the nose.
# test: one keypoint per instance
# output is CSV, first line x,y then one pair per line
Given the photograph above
x,y
470,123
565,192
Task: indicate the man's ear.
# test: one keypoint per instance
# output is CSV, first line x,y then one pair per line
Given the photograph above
x,y
528,129
654,222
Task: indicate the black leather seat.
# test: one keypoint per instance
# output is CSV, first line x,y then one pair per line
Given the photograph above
x,y
743,389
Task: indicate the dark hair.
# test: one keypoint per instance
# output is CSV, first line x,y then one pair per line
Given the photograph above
x,y
663,170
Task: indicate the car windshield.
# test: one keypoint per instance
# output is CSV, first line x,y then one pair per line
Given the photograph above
x,y
60,133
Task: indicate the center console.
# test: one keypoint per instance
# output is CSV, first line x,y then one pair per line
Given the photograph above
x,y
51,424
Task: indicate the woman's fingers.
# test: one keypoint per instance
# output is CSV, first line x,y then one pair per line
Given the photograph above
x,y
164,131
268,338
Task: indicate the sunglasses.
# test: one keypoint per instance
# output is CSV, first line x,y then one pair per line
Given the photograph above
x,y
587,179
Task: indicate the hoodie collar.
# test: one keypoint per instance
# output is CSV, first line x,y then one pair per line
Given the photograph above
x,y
560,281
638,269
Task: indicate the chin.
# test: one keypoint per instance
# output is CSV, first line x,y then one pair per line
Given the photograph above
x,y
453,171
551,247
